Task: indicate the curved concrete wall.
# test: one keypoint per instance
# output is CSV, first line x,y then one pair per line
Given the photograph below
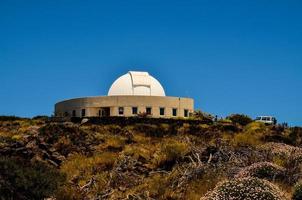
x,y
92,105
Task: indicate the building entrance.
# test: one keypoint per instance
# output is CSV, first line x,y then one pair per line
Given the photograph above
x,y
104,112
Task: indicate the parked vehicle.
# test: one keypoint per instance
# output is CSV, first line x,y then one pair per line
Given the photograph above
x,y
266,119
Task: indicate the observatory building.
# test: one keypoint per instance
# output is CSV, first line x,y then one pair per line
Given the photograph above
x,y
131,94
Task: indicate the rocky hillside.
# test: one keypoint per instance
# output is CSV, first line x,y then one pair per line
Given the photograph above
x,y
233,158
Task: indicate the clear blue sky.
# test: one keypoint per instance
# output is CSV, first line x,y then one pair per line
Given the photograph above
x,y
230,56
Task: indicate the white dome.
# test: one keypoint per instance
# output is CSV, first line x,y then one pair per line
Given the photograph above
x,y
136,83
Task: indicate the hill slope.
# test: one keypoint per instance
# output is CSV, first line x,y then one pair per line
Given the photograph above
x,y
218,160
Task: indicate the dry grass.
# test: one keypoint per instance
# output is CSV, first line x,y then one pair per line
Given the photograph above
x,y
144,161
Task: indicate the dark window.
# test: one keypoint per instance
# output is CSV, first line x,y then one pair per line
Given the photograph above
x,y
148,110
186,113
73,113
83,112
134,110
161,111
104,112
121,110
174,111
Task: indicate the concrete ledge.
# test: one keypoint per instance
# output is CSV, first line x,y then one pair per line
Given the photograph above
x,y
92,105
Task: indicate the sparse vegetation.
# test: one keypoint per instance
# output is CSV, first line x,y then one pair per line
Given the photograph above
x,y
241,119
297,195
246,188
20,179
176,159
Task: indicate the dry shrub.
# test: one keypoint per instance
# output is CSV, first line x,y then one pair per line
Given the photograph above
x,y
246,139
170,152
295,135
84,167
139,152
255,127
113,129
205,182
251,136
289,157
64,145
113,143
264,170
156,186
184,129
68,193
80,170
20,179
297,193
245,188
147,129
241,119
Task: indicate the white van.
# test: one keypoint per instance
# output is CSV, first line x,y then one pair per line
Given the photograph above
x,y
266,119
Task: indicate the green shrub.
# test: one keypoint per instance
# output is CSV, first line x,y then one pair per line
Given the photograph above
x,y
10,118
240,119
24,180
41,117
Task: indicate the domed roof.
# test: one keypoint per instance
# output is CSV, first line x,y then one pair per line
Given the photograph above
x,y
136,83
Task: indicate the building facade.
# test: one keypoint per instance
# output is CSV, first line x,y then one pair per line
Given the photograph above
x,y
130,95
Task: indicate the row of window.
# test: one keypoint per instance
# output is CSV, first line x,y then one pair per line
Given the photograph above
x,y
135,111
149,111
83,113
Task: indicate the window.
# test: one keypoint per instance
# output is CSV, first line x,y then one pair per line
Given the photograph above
x,y
148,110
161,111
174,111
104,112
121,110
134,110
73,113
83,112
186,113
